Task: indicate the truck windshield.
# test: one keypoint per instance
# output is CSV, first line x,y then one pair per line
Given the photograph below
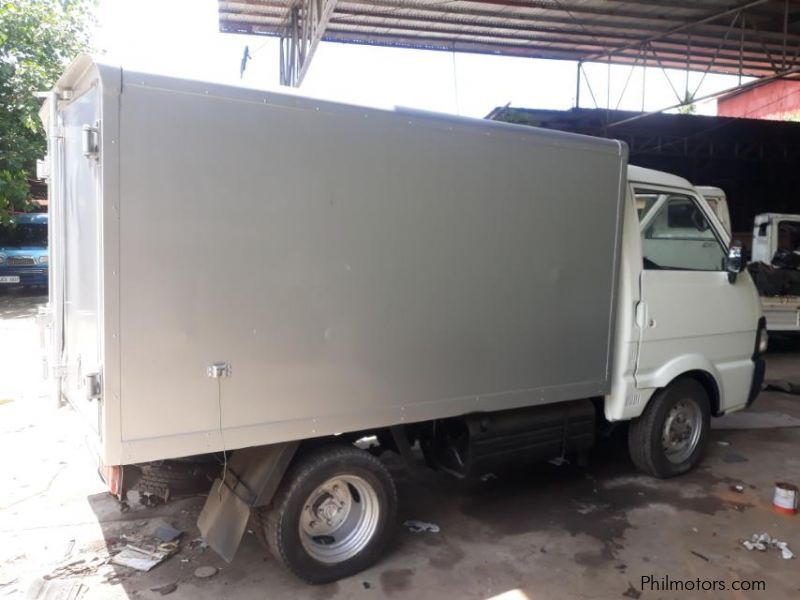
x,y
789,236
23,234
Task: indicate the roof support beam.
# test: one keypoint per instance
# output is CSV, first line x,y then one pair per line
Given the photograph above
x,y
746,86
679,29
345,19
305,26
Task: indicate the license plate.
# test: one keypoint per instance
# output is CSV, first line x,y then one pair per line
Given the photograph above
x,y
9,278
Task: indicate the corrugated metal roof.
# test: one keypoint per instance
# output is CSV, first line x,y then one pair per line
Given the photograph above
x,y
756,38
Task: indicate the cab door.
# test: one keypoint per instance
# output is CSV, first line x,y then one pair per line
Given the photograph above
x,y
691,317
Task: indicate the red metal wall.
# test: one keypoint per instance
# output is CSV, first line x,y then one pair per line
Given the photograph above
x,y
778,100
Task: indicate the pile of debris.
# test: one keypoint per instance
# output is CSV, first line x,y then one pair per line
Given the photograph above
x,y
143,552
764,541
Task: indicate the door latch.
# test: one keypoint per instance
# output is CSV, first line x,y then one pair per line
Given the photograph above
x,y
220,370
90,140
94,389
640,315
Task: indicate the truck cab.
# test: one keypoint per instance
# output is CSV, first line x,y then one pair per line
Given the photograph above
x,y
23,251
773,232
677,270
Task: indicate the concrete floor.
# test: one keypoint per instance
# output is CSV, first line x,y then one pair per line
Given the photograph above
x,y
534,532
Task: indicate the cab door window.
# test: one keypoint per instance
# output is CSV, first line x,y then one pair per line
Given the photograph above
x,y
678,236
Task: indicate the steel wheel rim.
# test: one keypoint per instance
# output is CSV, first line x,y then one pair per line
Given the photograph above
x,y
339,518
681,432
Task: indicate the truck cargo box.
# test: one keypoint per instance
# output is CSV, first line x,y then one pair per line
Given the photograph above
x,y
353,268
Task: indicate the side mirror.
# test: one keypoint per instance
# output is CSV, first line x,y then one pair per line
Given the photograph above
x,y
734,264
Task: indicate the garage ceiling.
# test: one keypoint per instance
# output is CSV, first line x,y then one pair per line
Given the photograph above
x,y
755,38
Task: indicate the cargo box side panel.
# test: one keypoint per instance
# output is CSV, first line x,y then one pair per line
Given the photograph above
x,y
356,268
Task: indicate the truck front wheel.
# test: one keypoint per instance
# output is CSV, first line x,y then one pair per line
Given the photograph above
x,y
332,515
669,437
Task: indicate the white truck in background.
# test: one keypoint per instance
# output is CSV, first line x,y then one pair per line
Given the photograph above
x,y
269,280
775,267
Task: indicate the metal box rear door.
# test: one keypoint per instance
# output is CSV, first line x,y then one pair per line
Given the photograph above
x,y
81,235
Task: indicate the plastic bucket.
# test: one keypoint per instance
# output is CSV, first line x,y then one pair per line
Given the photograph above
x,y
785,500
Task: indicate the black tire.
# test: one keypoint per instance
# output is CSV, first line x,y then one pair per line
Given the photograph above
x,y
645,435
279,523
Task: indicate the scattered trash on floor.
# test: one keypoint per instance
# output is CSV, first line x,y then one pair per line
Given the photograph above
x,y
205,572
698,555
779,385
113,577
559,461
763,541
75,567
723,443
165,589
738,488
69,589
166,532
141,559
421,527
198,545
488,477
734,457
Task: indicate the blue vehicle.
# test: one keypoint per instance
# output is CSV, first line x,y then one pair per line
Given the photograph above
x,y
23,251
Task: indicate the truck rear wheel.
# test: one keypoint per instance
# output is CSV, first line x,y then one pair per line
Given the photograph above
x,y
668,439
332,515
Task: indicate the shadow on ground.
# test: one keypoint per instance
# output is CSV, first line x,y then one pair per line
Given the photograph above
x,y
21,303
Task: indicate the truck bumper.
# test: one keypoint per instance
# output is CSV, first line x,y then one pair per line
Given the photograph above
x,y
782,313
760,367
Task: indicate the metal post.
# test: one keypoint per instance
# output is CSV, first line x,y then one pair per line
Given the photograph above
x,y
741,47
688,63
305,25
785,31
644,80
578,86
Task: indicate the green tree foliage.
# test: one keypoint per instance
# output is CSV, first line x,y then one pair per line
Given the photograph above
x,y
38,38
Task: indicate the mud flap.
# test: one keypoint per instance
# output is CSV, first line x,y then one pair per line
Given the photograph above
x,y
251,480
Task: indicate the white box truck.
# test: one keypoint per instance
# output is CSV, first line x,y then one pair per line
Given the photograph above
x,y
269,279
